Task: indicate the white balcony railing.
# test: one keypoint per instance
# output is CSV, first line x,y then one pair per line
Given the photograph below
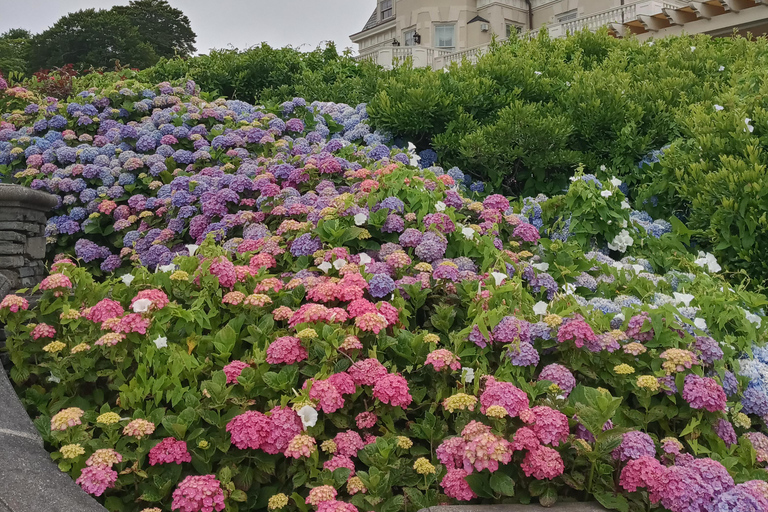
x,y
436,58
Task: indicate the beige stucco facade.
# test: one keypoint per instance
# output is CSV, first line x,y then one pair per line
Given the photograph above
x,y
452,30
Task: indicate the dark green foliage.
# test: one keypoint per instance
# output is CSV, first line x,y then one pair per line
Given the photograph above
x,y
277,74
137,35
14,48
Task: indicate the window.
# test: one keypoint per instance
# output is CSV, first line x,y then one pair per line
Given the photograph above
x,y
513,29
568,16
408,37
444,36
386,9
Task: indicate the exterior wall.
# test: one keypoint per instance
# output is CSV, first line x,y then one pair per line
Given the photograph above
x,y
546,12
499,14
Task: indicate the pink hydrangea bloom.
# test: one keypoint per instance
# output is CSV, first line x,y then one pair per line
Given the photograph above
x,y
455,485
348,443
549,425
55,281
169,451
365,420
525,439
198,493
96,479
392,389
504,394
285,424
249,430
139,428
287,350
133,322
336,506
371,322
233,298
485,452
158,297
318,495
340,461
704,393
543,463
359,307
43,330
578,330
526,232
442,358
640,473
104,310
233,370
225,271
329,398
451,452
367,372
14,303
389,312
300,446
343,382
496,202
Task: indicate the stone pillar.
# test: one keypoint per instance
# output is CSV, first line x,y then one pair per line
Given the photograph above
x,y
31,482
22,236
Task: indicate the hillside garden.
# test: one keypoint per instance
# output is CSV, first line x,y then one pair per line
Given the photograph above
x,y
531,280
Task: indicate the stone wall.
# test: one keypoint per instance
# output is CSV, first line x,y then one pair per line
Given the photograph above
x,y
22,236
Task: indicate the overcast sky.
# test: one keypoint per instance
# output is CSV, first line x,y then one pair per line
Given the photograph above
x,y
221,23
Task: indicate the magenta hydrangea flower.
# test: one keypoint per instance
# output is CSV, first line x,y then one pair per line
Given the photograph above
x,y
340,461
640,473
544,463
367,372
504,394
578,330
286,350
455,485
549,425
169,451
348,443
704,393
233,370
392,389
198,493
526,232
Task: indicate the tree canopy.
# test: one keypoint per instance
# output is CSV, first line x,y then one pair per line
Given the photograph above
x,y
138,35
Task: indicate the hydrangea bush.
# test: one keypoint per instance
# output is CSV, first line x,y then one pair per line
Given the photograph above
x,y
291,316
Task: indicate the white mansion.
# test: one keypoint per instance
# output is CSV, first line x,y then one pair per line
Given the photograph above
x,y
437,32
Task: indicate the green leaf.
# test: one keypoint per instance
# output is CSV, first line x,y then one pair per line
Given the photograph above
x,y
502,484
612,501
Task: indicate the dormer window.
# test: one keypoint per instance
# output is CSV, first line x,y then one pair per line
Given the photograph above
x,y
386,9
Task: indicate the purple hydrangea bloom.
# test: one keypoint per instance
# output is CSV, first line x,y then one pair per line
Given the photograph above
x,y
111,263
523,354
634,444
305,245
476,337
432,247
724,430
560,375
708,349
411,237
393,224
381,285
737,500
512,329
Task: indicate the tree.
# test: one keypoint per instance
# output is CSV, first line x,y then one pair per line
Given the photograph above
x,y
137,35
14,50
164,27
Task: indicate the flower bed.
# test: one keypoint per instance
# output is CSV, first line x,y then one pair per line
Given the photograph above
x,y
298,322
